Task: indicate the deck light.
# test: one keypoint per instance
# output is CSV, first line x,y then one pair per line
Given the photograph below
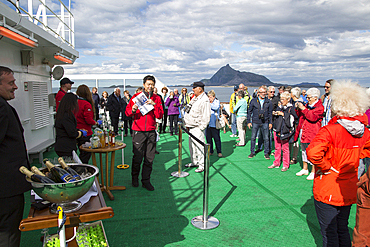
x,y
17,37
62,58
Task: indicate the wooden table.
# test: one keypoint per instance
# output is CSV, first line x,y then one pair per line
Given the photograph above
x,y
94,209
105,185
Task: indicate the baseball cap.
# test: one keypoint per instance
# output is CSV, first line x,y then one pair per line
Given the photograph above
x,y
65,80
198,84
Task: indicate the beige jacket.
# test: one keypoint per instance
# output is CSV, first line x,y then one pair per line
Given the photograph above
x,y
200,112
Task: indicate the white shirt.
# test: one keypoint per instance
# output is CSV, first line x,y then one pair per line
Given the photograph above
x,y
200,112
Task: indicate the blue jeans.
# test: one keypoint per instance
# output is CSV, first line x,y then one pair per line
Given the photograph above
x,y
261,140
233,123
334,224
214,133
264,127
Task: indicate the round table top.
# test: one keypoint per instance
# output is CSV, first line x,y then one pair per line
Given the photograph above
x,y
105,149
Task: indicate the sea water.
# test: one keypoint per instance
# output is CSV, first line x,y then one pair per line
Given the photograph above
x,y
222,93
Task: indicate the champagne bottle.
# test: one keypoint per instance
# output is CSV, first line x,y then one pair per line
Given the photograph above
x,y
35,177
61,175
69,169
36,170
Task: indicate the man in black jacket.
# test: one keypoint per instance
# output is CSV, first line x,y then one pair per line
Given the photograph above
x,y
114,106
259,118
96,99
13,155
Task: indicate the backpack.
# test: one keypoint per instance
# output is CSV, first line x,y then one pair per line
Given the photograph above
x,y
283,127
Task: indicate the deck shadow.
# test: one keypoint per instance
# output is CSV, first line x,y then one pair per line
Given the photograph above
x,y
309,210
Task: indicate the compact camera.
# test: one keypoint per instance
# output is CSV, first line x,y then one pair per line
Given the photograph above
x,y
262,117
187,108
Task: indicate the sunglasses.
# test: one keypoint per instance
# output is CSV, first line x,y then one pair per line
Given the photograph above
x,y
326,87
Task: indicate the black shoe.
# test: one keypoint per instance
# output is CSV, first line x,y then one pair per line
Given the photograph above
x,y
156,152
267,156
148,186
258,150
125,135
251,156
135,182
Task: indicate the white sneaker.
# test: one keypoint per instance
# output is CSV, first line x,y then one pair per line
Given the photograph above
x,y
311,176
302,172
200,169
190,165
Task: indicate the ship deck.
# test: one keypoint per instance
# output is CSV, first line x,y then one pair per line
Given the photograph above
x,y
256,206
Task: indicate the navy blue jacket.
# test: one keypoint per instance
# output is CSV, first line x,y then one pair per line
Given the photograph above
x,y
254,110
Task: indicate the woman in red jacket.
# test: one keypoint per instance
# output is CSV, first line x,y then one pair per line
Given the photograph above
x,y
85,118
335,152
310,117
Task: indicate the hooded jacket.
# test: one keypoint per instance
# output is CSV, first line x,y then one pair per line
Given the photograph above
x,y
335,151
85,116
145,122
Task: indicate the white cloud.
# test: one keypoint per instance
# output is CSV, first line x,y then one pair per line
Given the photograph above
x,y
287,41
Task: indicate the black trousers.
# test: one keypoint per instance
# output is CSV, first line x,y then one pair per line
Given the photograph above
x,y
127,125
84,156
173,121
143,146
114,122
333,222
163,125
11,214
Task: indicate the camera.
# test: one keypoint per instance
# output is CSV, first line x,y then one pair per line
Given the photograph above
x,y
187,108
261,116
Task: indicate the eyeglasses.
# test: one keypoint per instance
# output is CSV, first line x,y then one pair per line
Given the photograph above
x,y
272,91
263,92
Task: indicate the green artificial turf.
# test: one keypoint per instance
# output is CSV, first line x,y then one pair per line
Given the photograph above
x,y
256,206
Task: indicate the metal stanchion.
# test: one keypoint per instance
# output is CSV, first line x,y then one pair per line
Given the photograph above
x,y
123,152
204,221
179,173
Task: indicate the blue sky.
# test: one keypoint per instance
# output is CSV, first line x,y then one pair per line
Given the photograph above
x,y
183,41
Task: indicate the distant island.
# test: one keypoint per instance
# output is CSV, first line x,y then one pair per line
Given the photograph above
x,y
227,76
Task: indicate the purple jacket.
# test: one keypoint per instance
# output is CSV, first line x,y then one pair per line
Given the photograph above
x,y
173,105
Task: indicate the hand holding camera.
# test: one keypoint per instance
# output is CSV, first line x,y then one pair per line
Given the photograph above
x,y
187,108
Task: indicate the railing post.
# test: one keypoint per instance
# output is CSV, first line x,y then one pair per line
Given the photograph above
x,y
204,221
179,173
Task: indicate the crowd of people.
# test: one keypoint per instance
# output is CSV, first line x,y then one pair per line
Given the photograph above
x,y
331,129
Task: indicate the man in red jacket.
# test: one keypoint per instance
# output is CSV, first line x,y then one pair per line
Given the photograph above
x,y
65,85
144,134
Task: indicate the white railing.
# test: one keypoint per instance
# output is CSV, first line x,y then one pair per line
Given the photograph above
x,y
60,24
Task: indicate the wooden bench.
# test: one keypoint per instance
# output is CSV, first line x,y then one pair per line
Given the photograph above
x,y
40,149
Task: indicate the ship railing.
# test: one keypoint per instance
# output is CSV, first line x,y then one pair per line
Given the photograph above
x,y
63,21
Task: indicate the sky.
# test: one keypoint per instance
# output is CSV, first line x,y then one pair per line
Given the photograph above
x,y
183,41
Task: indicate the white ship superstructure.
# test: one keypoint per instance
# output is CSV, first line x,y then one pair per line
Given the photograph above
x,y
34,39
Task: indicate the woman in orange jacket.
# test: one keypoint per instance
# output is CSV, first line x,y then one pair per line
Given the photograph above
x,y
335,152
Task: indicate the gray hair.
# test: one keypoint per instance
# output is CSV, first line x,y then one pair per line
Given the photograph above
x,y
285,95
241,93
270,88
349,99
296,92
313,92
